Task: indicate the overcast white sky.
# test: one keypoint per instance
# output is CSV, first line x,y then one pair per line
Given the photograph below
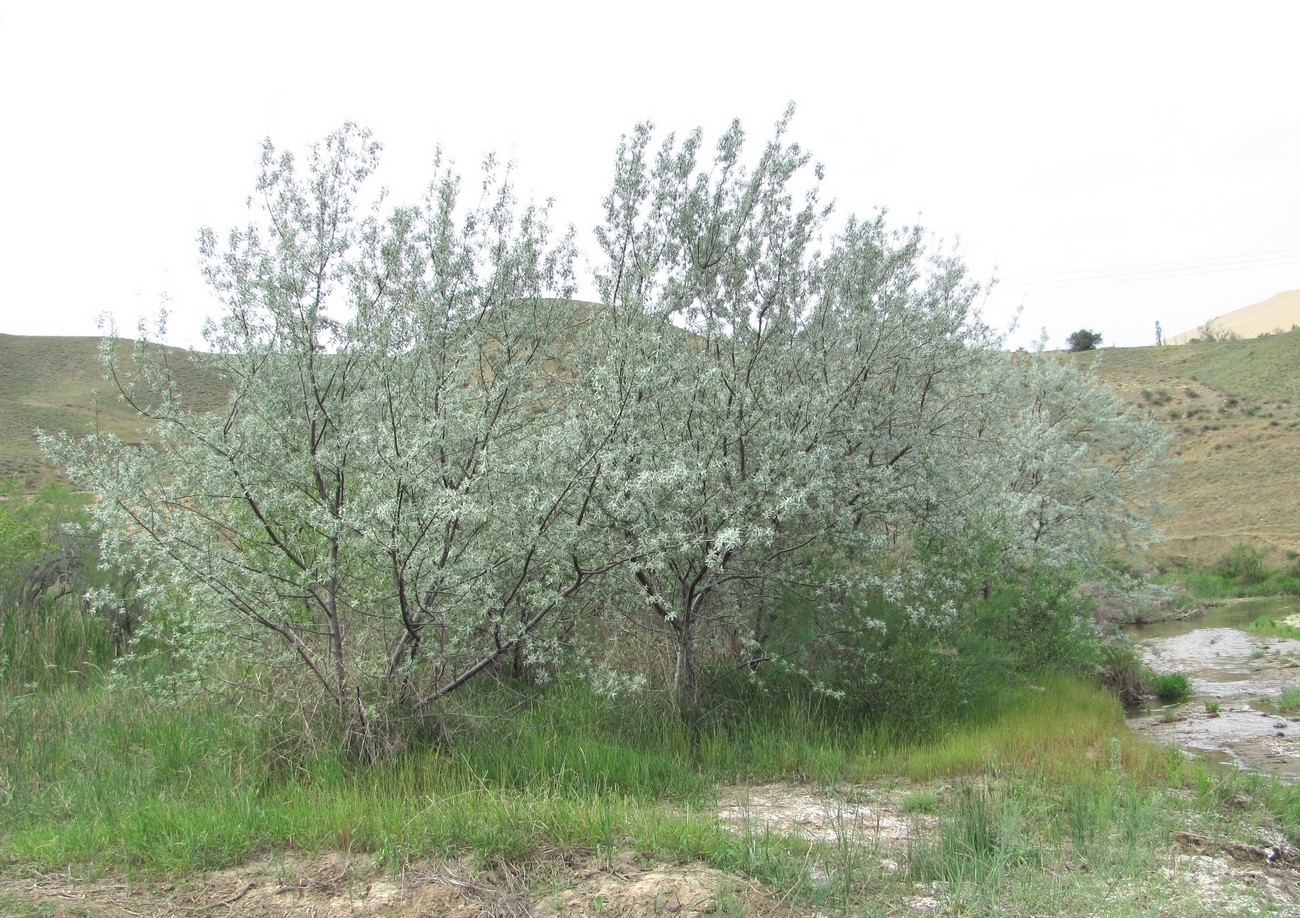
x,y
1113,164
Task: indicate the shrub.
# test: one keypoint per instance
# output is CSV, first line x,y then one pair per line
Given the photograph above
x,y
1123,673
1245,564
1172,686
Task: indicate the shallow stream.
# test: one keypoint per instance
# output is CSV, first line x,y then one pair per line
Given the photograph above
x,y
1236,675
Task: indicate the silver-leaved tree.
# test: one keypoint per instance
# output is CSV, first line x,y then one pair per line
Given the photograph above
x,y
392,499
433,464
795,394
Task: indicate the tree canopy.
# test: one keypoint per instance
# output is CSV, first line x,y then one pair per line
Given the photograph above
x,y
435,464
1084,340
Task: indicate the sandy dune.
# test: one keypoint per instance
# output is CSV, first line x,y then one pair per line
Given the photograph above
x,y
1277,313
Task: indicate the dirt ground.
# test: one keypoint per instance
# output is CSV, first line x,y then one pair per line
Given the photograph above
x,y
332,885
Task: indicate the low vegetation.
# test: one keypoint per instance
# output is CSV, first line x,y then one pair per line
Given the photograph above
x,y
1245,571
1005,807
1282,627
1004,780
1171,686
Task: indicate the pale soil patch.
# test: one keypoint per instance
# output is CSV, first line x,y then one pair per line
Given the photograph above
x,y
625,889
325,885
332,885
1233,878
1208,875
865,816
868,819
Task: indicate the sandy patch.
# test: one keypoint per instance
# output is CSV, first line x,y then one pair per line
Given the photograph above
x,y
864,815
331,885
628,891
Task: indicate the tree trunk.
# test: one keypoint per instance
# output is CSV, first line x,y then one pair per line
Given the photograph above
x,y
686,676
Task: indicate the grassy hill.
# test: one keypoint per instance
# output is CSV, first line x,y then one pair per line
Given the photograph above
x,y
1234,410
58,384
1233,407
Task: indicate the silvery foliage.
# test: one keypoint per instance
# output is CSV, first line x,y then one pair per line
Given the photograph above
x,y
1077,466
1055,472
392,496
794,390
429,456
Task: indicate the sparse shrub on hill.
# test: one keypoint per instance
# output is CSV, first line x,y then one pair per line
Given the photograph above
x,y
1211,332
1083,340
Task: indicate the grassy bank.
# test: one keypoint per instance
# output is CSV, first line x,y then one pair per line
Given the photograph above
x,y
956,774
1244,572
1048,799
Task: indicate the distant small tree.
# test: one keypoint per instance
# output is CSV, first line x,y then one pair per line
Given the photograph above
x,y
1084,340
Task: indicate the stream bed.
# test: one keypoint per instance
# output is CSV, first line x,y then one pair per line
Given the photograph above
x,y
1236,676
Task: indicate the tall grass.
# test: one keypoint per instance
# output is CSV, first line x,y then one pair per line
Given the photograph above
x,y
1036,778
1241,573
121,779
50,645
1063,727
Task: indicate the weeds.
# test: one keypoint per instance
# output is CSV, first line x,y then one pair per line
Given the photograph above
x,y
1172,686
1245,564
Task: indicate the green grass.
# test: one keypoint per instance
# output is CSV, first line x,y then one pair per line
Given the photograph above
x,y
1274,627
1252,369
1171,686
120,779
1051,780
1200,585
52,645
1288,702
